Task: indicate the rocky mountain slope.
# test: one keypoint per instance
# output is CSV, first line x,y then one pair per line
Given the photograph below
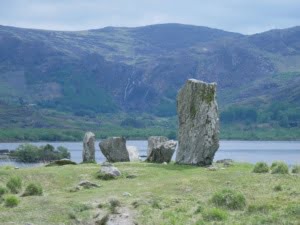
x,y
141,69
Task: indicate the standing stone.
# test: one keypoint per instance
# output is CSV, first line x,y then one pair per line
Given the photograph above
x,y
162,152
154,141
133,153
114,149
198,137
88,153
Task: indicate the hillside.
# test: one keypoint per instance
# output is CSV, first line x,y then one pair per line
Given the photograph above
x,y
137,71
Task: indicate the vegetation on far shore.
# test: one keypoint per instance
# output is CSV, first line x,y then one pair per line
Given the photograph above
x,y
29,153
237,132
158,194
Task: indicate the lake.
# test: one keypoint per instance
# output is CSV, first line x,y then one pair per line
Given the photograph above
x,y
241,151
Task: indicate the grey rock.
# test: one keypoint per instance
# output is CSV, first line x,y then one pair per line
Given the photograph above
x,y
131,176
87,184
225,161
127,194
62,162
198,136
4,151
114,149
108,171
133,153
163,152
154,141
212,168
88,153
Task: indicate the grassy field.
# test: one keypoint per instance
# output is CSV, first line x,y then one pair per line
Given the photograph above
x,y
159,194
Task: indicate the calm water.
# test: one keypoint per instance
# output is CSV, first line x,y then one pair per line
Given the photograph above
x,y
241,151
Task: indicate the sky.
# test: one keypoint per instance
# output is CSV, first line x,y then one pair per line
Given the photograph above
x,y
243,16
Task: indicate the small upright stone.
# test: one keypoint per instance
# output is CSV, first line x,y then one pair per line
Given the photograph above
x,y
114,149
198,137
88,153
163,152
154,141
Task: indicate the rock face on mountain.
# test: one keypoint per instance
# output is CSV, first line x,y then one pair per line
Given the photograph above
x,y
88,153
154,141
162,152
114,149
198,136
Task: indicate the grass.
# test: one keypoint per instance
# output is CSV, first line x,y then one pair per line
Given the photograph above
x,y
279,168
14,184
160,194
215,214
296,169
230,199
11,201
261,167
33,189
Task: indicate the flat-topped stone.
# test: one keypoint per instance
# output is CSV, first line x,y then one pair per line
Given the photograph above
x,y
114,149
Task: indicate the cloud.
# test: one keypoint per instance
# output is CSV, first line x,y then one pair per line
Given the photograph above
x,y
247,16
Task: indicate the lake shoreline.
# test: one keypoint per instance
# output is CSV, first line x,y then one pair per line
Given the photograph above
x,y
239,151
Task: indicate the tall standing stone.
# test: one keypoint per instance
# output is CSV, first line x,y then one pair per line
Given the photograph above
x,y
198,136
88,153
114,149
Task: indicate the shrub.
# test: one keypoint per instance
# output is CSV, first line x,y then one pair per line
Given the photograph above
x,y
63,152
30,153
261,167
215,214
11,201
296,169
229,199
27,153
33,189
279,168
278,188
14,184
3,190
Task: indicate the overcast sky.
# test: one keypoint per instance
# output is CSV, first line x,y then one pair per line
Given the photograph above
x,y
244,16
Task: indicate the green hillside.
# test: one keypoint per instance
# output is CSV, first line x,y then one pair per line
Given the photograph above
x,y
109,80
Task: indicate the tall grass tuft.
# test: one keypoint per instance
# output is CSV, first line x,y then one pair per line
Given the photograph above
x,y
279,168
229,199
14,184
261,167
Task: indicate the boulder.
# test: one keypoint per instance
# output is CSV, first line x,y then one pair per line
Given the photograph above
x,y
87,184
198,136
62,162
163,152
88,153
154,141
108,172
133,153
114,149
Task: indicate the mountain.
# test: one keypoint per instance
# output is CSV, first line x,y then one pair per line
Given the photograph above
x,y
139,70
